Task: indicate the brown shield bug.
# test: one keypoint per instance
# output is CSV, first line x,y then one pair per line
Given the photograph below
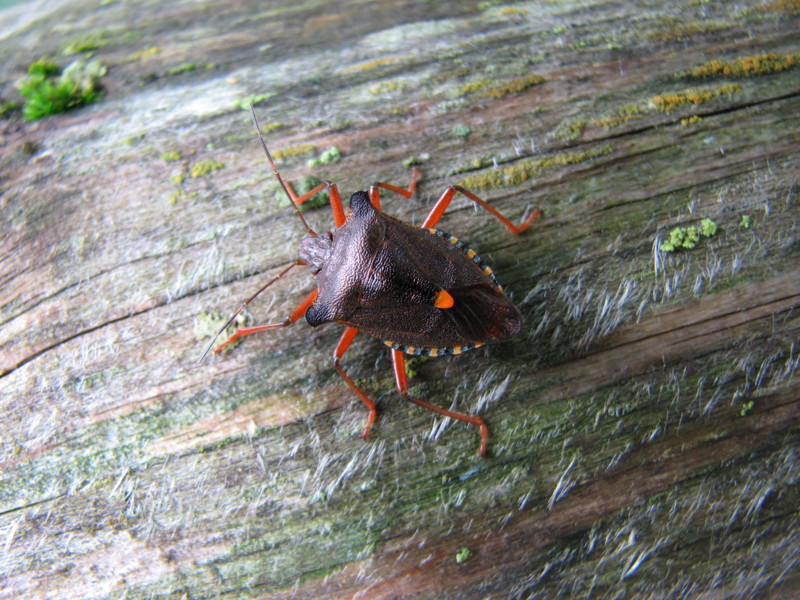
x,y
419,290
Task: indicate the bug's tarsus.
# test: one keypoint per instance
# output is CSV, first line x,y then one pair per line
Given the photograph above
x,y
401,380
286,188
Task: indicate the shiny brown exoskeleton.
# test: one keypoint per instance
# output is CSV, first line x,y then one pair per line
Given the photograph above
x,y
419,290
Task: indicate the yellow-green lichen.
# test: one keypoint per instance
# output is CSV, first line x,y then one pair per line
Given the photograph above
x,y
693,120
623,114
517,174
674,30
151,51
385,87
473,86
570,130
666,103
86,43
170,155
784,6
295,150
747,66
512,86
204,167
370,64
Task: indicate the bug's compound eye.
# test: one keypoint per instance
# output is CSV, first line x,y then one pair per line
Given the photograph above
x,y
317,314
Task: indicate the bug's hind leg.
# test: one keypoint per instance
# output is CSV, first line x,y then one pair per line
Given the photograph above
x,y
375,194
344,343
399,364
444,201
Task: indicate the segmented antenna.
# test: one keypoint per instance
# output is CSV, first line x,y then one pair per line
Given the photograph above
x,y
277,174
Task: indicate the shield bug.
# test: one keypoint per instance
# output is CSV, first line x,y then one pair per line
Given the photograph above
x,y
420,290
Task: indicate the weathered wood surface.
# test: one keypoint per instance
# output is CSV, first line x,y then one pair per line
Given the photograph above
x,y
644,427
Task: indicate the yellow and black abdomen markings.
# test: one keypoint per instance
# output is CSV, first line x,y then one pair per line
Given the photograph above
x,y
471,254
420,351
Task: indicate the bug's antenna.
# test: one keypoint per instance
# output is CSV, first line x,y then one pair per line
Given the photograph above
x,y
277,174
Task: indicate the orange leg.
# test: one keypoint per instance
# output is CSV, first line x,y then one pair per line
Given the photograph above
x,y
375,194
444,200
344,343
399,364
296,314
335,199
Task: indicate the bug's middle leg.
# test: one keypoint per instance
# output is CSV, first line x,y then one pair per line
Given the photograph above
x,y
399,364
344,343
444,201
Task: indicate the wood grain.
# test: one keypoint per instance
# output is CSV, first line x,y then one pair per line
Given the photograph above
x,y
644,427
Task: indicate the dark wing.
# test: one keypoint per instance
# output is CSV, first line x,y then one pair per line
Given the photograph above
x,y
480,314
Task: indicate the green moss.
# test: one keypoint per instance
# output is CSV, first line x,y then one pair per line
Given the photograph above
x,y
7,107
253,99
746,408
687,238
415,161
463,554
329,156
186,67
708,228
48,93
204,167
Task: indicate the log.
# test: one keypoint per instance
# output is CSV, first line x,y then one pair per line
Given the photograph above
x,y
645,426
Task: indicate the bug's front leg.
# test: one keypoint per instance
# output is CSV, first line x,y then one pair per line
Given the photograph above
x,y
399,364
344,343
296,314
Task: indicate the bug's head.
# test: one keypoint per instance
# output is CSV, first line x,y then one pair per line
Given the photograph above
x,y
316,251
